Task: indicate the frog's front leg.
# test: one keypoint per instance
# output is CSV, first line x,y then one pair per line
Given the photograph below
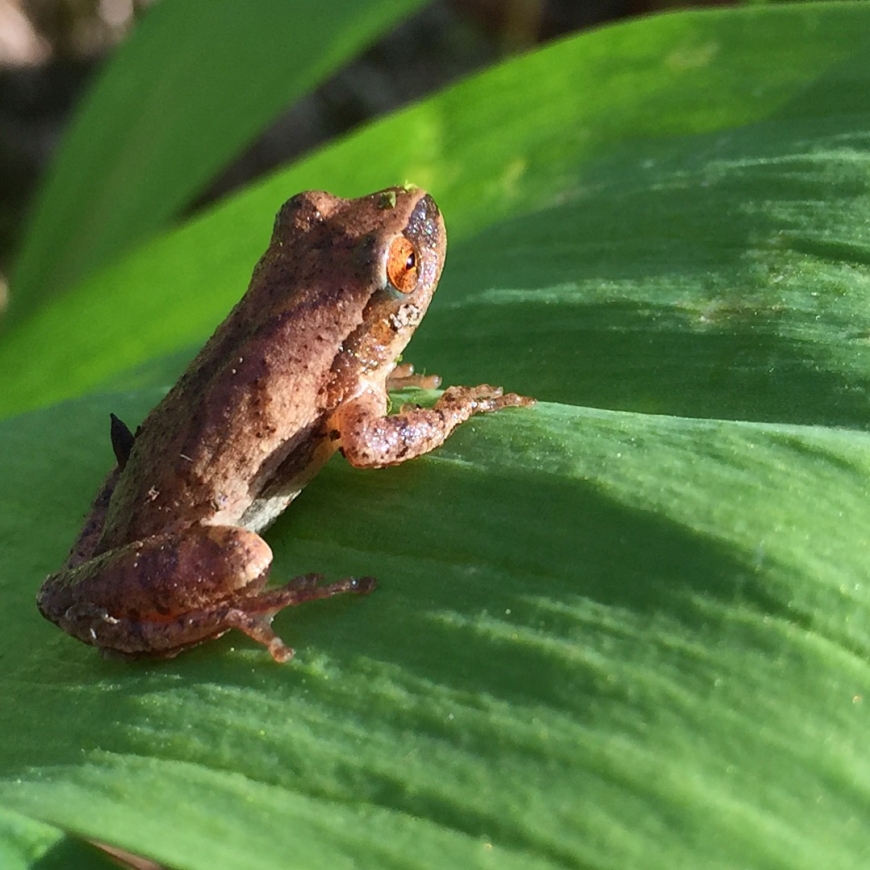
x,y
370,439
403,375
159,596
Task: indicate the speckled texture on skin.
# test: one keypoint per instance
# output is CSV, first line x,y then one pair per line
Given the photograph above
x,y
285,357
170,554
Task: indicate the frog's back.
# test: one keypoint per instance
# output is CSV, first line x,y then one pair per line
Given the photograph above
x,y
256,396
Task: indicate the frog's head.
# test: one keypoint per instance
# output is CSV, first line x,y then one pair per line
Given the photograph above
x,y
387,251
406,258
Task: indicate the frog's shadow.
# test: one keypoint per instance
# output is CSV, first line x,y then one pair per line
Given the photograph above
x,y
492,618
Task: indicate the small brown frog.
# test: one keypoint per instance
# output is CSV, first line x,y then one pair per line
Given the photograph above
x,y
170,554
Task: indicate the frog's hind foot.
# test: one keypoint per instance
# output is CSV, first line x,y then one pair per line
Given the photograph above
x,y
258,626
254,616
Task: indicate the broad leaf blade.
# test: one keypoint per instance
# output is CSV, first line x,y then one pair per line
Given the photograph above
x,y
591,630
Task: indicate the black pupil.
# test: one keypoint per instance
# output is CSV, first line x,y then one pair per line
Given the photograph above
x,y
411,262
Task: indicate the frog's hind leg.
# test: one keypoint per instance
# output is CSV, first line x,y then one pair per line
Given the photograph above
x,y
88,538
254,615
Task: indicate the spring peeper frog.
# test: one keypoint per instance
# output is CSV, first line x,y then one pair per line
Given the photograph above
x,y
170,554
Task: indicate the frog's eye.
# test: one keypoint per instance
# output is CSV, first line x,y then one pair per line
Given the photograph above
x,y
402,263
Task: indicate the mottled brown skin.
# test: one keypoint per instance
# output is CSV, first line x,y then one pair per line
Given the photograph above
x,y
170,554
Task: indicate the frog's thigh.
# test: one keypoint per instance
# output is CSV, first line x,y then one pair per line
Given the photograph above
x,y
167,575
89,536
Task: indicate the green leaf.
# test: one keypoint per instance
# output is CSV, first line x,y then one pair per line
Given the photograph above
x,y
598,637
596,131
632,637
195,83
